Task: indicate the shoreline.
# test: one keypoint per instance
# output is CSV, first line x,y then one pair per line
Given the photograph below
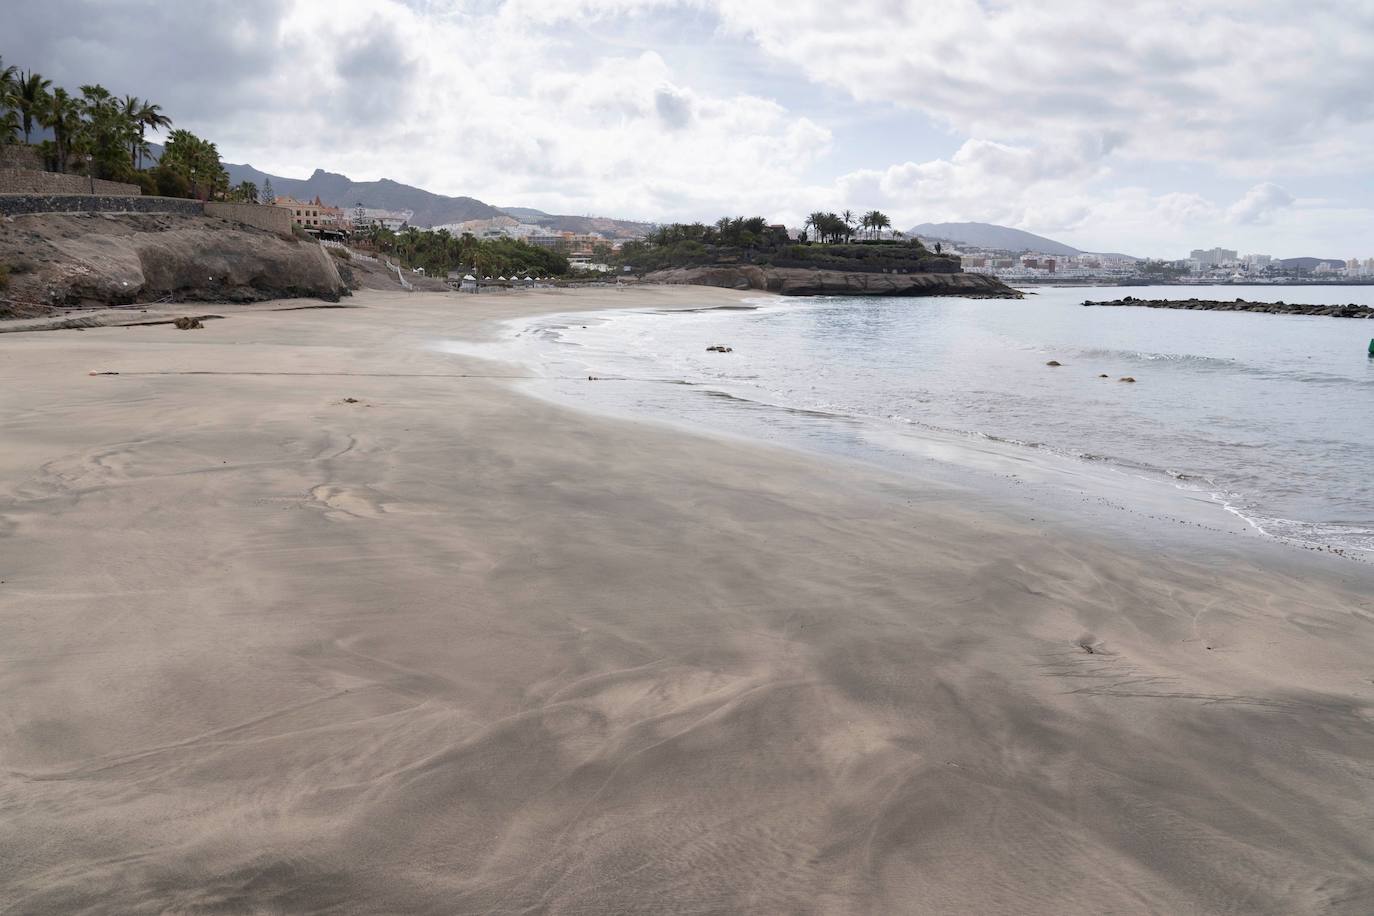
x,y
1133,495
448,647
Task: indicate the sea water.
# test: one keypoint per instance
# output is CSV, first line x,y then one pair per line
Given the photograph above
x,y
1270,417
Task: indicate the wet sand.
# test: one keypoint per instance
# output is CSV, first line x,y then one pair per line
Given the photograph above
x,y
449,649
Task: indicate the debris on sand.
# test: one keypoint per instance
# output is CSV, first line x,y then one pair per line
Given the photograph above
x,y
720,349
188,324
101,372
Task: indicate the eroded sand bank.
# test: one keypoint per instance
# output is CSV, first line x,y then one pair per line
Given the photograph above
x,y
448,649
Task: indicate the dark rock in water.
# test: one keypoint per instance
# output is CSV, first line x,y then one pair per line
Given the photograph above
x,y
1241,305
720,349
1054,362
1126,378
1103,375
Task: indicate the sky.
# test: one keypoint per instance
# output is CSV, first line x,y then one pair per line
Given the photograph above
x,y
1149,127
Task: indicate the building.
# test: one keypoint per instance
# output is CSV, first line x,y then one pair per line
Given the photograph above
x,y
303,213
1214,257
367,217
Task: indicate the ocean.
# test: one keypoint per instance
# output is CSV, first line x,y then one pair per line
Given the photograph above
x,y
1268,418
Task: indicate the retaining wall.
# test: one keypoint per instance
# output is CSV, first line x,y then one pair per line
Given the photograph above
x,y
19,156
17,204
29,181
260,216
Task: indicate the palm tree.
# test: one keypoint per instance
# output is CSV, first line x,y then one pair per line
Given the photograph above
x,y
8,76
32,95
9,126
880,222
149,117
62,113
847,217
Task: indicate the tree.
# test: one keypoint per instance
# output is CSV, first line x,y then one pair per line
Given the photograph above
x,y
198,162
876,221
62,114
847,217
269,196
9,126
247,192
8,76
32,95
149,117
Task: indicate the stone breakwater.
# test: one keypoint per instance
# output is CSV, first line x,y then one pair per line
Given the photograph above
x,y
1242,305
794,281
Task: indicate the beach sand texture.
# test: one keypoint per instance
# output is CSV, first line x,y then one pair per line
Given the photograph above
x,y
450,649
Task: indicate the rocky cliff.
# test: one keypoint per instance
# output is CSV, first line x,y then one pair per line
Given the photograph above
x,y
58,259
794,281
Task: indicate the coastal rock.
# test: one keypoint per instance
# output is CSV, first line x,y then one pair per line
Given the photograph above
x,y
795,281
1054,362
120,259
1352,310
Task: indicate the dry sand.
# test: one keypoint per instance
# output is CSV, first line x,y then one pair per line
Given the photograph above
x,y
449,649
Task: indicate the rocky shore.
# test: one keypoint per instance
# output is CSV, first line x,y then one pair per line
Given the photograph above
x,y
1242,305
794,281
85,259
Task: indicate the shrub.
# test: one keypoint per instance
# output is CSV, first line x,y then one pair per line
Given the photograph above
x,y
4,277
343,254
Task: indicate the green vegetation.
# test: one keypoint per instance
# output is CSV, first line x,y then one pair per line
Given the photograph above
x,y
95,133
1161,269
740,240
439,252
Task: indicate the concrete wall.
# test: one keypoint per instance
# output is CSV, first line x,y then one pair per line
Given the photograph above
x,y
28,181
17,204
260,216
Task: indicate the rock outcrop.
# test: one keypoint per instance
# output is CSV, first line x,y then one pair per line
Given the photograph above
x,y
795,281
59,259
1352,310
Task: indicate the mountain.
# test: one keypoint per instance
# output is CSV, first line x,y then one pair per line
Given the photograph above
x,y
1308,263
987,235
430,209
341,191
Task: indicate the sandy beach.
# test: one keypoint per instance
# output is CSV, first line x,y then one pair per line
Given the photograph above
x,y
301,614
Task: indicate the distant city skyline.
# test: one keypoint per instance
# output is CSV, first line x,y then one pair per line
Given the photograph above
x,y
1155,128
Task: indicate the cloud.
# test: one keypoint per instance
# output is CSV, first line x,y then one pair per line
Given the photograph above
x,y
1233,81
1055,118
1259,204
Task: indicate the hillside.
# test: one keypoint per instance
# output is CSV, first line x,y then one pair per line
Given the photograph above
x,y
988,235
614,228
1308,263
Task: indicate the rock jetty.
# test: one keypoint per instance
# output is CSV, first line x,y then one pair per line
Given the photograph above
x,y
1242,305
797,281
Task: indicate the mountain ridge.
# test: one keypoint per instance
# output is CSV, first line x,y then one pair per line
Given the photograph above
x,y
429,209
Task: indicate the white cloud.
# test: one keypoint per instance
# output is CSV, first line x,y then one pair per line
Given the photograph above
x,y
1260,203
1242,83
1056,112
